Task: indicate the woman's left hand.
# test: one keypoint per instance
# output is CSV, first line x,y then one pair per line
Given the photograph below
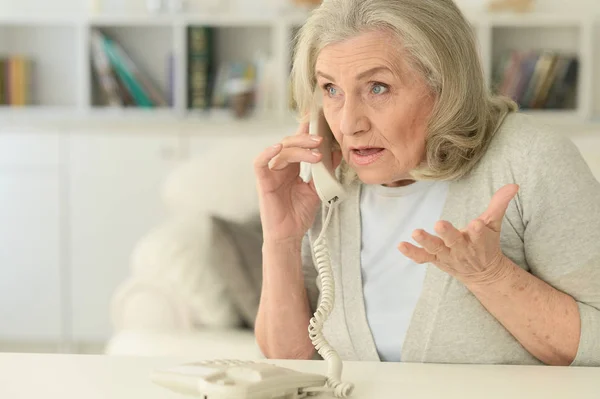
x,y
472,255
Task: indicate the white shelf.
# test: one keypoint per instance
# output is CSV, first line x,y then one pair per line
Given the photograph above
x,y
151,38
538,20
41,20
230,20
129,113
291,18
148,19
131,20
65,116
7,112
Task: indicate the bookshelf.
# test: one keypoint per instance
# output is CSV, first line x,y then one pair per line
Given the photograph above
x,y
560,35
40,45
64,83
153,61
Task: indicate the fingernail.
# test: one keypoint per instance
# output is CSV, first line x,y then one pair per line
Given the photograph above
x,y
316,138
316,152
277,146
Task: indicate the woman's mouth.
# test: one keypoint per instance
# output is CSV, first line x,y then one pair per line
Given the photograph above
x,y
366,156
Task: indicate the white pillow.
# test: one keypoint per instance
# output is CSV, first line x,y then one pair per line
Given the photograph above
x,y
150,306
219,181
175,255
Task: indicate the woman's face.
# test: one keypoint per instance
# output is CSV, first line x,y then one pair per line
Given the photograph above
x,y
376,106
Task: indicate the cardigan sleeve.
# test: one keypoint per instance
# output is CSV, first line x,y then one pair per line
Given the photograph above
x,y
561,212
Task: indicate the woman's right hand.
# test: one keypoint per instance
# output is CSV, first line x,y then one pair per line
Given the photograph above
x,y
288,205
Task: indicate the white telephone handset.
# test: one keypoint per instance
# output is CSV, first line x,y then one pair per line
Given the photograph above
x,y
327,186
234,379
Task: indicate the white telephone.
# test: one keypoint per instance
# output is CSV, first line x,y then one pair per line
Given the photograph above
x,y
327,186
229,379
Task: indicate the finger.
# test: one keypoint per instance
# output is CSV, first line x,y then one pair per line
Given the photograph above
x,y
451,236
498,205
294,155
308,141
476,229
303,129
261,163
418,255
432,244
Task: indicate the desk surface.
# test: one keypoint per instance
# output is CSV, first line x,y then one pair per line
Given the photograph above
x,y
31,376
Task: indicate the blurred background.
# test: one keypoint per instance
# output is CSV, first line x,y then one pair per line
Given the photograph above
x,y
128,215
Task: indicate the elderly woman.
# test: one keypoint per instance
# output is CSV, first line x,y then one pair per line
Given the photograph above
x,y
469,234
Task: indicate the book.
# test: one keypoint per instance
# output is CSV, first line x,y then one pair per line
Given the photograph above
x,y
3,99
125,74
146,85
121,81
104,71
16,78
538,79
200,66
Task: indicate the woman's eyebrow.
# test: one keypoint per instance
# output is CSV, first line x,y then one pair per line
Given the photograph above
x,y
372,71
319,73
362,75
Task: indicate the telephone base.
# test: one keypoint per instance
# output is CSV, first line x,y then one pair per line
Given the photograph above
x,y
235,379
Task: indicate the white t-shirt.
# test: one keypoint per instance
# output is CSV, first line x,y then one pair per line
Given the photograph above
x,y
392,283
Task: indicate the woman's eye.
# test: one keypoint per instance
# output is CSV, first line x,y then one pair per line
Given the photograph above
x,y
379,89
331,90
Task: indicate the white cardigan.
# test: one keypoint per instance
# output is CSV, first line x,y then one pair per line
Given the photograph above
x,y
551,229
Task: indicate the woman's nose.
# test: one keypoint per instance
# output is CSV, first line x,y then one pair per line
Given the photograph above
x,y
353,119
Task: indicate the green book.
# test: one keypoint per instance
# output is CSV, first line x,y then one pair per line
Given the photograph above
x,y
200,48
2,82
125,74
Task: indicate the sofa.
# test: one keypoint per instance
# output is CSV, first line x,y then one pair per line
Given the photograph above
x,y
194,284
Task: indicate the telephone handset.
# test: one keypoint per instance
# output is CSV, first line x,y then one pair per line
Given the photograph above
x,y
327,186
235,379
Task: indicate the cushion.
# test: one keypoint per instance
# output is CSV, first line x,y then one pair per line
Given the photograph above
x,y
236,252
150,306
219,177
174,255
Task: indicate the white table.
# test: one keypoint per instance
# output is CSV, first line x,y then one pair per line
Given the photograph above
x,y
93,377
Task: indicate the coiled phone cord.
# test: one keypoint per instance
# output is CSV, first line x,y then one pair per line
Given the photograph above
x,y
315,328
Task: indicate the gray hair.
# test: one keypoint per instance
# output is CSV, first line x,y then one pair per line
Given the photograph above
x,y
441,47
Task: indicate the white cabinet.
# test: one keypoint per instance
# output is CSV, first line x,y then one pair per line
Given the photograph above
x,y
31,302
114,199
